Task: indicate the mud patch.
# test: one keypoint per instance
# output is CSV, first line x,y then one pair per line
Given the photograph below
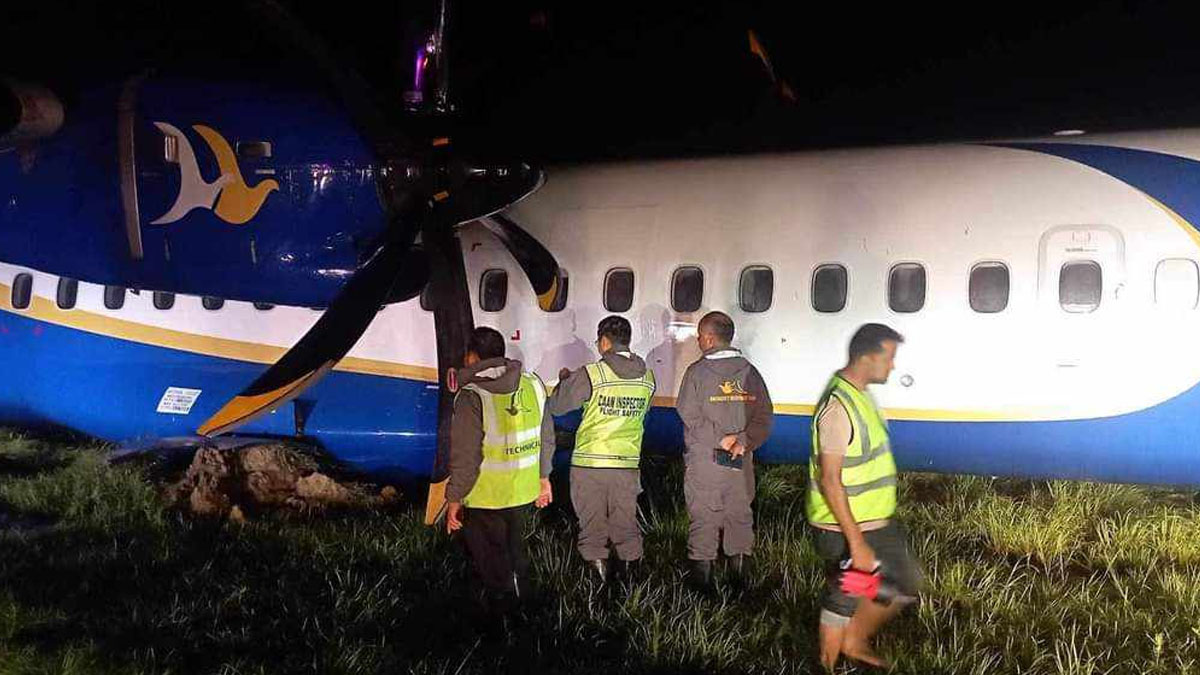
x,y
240,483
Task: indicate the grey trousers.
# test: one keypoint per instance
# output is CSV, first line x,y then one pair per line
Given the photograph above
x,y
605,501
718,502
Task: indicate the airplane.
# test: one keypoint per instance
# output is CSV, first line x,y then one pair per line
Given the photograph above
x,y
179,257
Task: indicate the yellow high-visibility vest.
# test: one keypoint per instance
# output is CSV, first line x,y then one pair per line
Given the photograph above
x,y
510,473
610,434
868,469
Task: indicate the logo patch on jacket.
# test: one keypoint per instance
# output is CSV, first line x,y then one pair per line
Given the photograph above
x,y
731,392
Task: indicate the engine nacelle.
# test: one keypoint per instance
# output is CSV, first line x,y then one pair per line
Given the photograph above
x,y
28,112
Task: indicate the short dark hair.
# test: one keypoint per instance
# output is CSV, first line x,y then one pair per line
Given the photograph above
x,y
487,343
869,339
616,329
719,324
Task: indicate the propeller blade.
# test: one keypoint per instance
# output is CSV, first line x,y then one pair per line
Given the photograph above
x,y
539,264
453,323
328,340
757,48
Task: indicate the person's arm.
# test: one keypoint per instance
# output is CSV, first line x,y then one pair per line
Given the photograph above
x,y
570,393
546,459
466,454
835,435
699,432
760,417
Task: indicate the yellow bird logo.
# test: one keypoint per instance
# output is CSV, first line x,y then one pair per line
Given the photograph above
x,y
730,387
236,202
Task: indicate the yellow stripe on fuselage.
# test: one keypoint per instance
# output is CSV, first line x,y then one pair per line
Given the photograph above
x,y
1179,220
916,414
46,310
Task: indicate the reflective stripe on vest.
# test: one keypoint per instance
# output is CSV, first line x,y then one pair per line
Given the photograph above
x,y
868,468
610,434
512,444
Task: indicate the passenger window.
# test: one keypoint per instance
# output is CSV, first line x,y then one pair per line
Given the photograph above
x,y
1176,284
163,300
618,289
906,288
687,289
988,287
114,297
756,288
493,290
1080,284
263,306
68,293
22,291
212,303
426,299
829,286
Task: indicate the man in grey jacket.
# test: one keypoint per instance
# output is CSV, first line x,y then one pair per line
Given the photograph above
x,y
727,414
501,454
615,394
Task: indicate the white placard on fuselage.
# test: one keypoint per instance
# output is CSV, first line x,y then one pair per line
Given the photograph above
x,y
178,400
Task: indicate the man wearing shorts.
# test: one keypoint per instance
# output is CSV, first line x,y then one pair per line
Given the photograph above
x,y
852,500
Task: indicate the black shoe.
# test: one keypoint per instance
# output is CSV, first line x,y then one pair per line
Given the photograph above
x,y
598,570
700,575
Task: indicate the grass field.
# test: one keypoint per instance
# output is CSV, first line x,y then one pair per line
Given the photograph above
x,y
1026,577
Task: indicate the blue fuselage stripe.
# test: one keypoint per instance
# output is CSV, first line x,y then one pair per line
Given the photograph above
x,y
110,388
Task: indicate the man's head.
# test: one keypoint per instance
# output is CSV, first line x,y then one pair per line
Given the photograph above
x,y
714,330
873,352
613,333
485,343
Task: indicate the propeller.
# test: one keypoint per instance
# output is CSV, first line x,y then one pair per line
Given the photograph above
x,y
427,190
539,264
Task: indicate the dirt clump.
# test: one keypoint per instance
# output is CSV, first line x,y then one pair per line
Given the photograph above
x,y
237,483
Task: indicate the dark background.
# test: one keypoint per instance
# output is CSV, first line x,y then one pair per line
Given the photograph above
x,y
596,80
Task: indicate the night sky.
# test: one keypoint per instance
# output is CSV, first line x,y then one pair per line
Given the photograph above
x,y
598,80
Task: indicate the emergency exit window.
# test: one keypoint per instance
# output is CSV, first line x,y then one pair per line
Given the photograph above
x,y
22,291
988,287
1080,284
163,300
756,288
906,288
68,293
1176,284
493,290
829,287
618,289
687,289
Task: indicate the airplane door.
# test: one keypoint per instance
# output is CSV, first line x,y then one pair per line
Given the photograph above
x,y
1081,310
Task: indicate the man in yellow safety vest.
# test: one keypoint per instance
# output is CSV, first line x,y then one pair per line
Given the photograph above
x,y
501,450
615,394
851,502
